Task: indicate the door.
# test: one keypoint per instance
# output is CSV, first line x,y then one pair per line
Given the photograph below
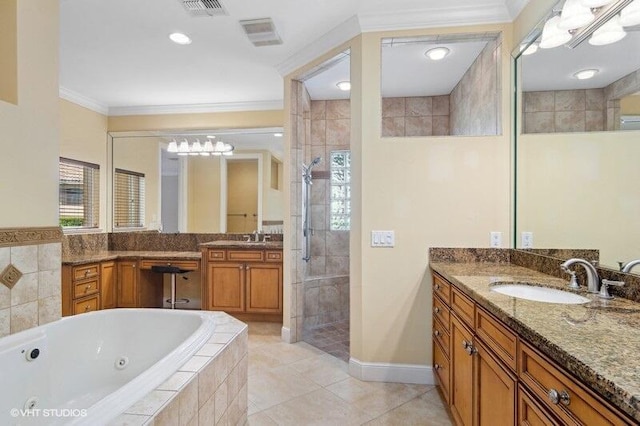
x,y
461,373
108,293
226,287
127,284
264,288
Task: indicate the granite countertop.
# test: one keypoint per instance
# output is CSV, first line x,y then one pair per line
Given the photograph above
x,y
112,255
275,245
597,341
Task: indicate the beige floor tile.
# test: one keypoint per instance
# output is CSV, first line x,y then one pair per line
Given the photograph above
x,y
317,408
287,353
374,397
258,340
275,386
264,328
260,419
419,411
322,369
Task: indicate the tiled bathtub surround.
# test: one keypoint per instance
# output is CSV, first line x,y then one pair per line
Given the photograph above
x,y
35,298
209,389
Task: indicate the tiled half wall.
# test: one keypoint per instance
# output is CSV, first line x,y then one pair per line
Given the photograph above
x,y
32,295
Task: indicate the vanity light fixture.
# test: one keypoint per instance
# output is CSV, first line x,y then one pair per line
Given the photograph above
x,y
437,53
180,38
585,74
552,36
609,33
533,48
196,148
593,4
345,86
575,15
278,135
630,15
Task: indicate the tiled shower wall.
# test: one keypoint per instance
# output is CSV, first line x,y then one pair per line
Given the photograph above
x,y
564,111
30,262
415,116
475,103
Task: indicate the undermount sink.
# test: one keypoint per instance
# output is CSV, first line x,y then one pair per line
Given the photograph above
x,y
539,294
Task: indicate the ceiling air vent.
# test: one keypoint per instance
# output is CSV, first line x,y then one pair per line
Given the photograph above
x,y
261,32
204,7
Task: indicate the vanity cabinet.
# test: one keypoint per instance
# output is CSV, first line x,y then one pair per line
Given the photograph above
x,y
127,284
490,376
244,281
80,288
108,285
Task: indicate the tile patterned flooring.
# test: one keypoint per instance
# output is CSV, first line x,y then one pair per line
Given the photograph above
x,y
298,385
332,339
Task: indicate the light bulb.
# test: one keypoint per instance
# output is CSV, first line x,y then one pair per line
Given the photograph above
x,y
575,15
630,15
173,146
552,36
609,33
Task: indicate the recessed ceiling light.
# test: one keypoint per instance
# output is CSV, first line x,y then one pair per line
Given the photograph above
x,y
180,38
436,53
344,85
211,137
585,74
278,135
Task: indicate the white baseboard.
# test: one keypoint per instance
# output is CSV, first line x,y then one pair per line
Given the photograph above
x,y
285,335
396,373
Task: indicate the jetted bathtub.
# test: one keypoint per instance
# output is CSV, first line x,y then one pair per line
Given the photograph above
x,y
89,368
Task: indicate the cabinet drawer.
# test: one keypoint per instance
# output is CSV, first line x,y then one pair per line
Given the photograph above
x,y
580,405
274,256
441,311
85,271
248,255
463,307
497,337
86,305
217,255
530,412
183,264
85,288
441,334
442,370
441,288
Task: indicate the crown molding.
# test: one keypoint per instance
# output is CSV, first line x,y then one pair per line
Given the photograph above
x,y
82,100
515,7
196,108
435,17
337,36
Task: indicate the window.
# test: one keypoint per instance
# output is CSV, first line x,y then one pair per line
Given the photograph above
x,y
79,194
128,199
340,191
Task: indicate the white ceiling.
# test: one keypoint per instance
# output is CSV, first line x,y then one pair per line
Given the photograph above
x,y
115,56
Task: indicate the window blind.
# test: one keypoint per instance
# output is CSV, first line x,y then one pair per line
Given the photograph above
x,y
79,194
128,198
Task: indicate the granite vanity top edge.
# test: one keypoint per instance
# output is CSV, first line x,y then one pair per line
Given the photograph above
x,y
276,245
115,255
596,380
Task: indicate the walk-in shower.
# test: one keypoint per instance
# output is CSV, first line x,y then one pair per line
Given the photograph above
x,y
307,230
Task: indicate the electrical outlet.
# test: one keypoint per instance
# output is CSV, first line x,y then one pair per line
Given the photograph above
x,y
496,239
526,240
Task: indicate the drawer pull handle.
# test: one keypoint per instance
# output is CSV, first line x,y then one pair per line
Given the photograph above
x,y
86,308
436,333
436,310
87,288
559,397
468,347
437,367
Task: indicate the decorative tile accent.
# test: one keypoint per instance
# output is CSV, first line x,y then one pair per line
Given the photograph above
x,y
11,237
10,276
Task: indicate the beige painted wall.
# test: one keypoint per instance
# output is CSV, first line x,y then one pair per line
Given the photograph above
x,y
9,51
83,137
242,195
272,199
630,105
203,194
30,129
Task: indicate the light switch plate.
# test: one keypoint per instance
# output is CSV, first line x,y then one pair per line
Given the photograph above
x,y
383,239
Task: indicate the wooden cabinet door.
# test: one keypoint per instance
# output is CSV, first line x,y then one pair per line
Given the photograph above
x,y
531,413
496,390
127,284
108,290
461,392
264,287
226,283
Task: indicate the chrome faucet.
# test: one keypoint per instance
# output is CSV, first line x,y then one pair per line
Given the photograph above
x,y
256,236
593,280
630,265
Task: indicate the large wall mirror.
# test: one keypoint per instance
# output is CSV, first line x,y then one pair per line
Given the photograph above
x,y
176,181
441,85
577,138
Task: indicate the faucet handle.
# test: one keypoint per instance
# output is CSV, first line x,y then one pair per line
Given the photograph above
x,y
620,265
604,291
573,282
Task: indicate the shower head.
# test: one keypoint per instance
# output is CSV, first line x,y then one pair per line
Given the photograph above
x,y
315,161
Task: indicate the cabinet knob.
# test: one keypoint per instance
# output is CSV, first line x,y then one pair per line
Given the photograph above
x,y
559,397
87,288
437,286
436,310
241,267
86,308
436,333
468,347
437,367
248,267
